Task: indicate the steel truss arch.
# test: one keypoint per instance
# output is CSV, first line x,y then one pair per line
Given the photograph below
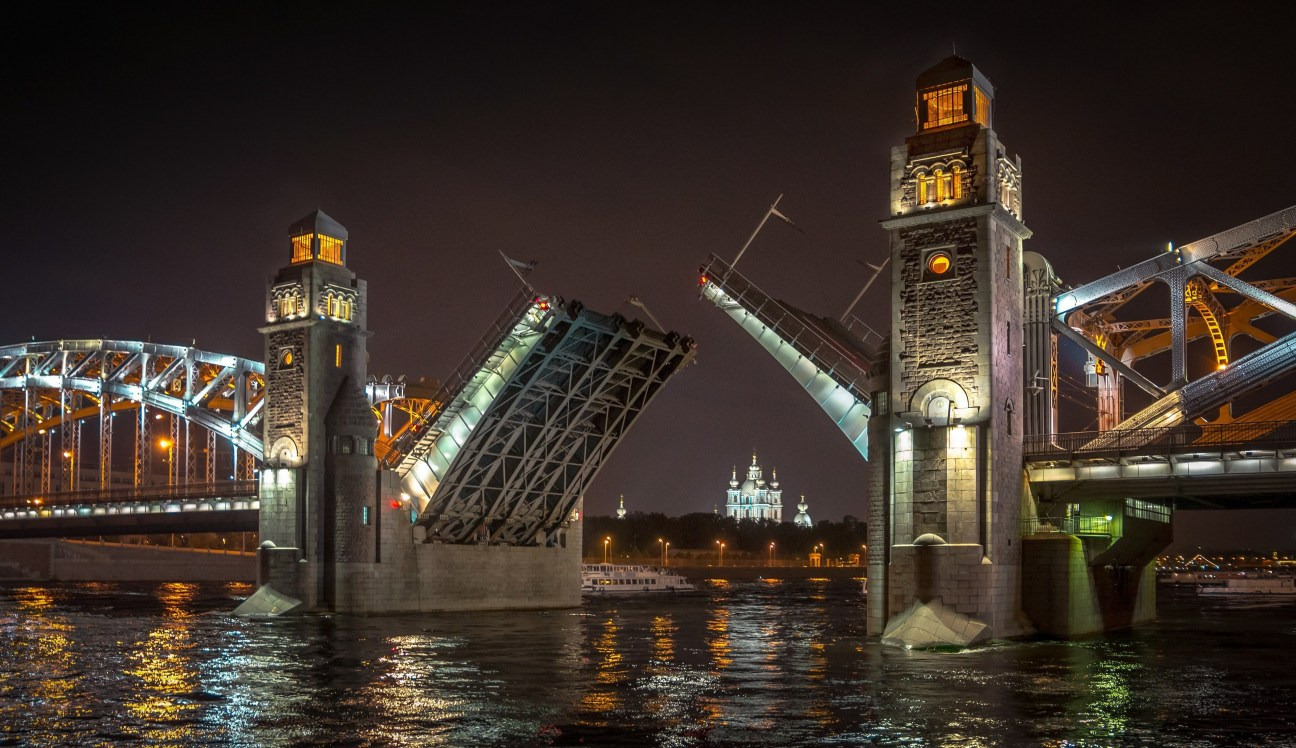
x,y
219,392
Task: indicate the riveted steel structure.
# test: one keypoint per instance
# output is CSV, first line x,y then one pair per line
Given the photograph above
x,y
530,418
194,413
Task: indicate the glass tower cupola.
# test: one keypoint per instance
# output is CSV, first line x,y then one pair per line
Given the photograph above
x,y
318,238
953,93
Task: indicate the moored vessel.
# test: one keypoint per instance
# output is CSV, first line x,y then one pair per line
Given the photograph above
x,y
624,579
1278,586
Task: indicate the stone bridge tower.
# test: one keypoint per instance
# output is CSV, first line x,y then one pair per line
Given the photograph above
x,y
319,483
949,484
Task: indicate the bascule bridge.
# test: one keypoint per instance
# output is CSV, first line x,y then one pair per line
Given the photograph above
x,y
984,520
370,496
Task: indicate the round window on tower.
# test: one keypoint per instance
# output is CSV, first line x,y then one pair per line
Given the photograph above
x,y
286,358
939,264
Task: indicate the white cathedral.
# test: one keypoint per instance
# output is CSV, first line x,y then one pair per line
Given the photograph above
x,y
756,499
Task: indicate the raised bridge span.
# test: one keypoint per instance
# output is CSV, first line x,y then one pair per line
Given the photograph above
x,y
110,437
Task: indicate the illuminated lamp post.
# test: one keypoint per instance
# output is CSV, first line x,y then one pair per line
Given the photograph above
x,y
607,543
771,554
71,458
722,547
664,546
170,448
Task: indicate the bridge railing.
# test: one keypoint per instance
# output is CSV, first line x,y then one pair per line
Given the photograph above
x,y
467,368
219,489
848,368
1075,524
1162,440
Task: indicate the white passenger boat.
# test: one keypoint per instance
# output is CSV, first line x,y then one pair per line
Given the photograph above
x,y
626,579
1277,586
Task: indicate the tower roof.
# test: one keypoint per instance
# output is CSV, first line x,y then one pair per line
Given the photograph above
x,y
952,69
318,222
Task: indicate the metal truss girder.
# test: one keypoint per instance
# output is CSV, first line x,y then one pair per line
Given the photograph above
x,y
121,370
828,365
544,436
1208,393
1088,345
424,455
1219,246
1275,227
1133,276
1246,289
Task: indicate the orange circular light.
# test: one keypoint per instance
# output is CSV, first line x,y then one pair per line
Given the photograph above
x,y
938,264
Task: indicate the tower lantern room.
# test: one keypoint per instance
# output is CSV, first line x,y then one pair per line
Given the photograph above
x,y
952,94
318,238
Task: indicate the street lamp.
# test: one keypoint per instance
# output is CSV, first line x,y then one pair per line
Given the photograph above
x,y
664,546
607,542
771,554
71,458
722,547
170,448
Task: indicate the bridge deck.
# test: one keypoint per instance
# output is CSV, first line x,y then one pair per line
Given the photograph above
x,y
832,363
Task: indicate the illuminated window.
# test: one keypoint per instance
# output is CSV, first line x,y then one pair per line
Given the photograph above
x,y
938,264
944,106
924,192
286,358
956,177
982,107
337,355
364,515
944,185
330,249
302,248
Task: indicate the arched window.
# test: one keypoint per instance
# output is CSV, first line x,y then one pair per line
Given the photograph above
x,y
943,184
957,179
924,191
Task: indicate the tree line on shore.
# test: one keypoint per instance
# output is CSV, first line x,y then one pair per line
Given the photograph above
x,y
697,536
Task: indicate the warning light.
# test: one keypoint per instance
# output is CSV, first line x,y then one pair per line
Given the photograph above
x,y
703,280
395,504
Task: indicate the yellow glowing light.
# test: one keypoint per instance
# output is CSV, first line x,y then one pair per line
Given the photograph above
x,y
944,106
938,264
164,443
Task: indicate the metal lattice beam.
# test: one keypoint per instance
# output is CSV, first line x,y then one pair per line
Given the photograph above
x,y
551,425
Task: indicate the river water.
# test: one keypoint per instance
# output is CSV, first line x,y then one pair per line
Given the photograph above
x,y
760,663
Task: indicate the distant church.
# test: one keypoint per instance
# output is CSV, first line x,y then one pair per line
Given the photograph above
x,y
756,499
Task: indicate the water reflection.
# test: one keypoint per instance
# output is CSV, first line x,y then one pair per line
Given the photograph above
x,y
164,672
747,663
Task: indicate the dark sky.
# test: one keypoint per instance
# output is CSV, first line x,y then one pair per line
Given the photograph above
x,y
154,160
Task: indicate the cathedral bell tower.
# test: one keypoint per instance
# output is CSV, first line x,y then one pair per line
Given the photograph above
x,y
318,485
952,476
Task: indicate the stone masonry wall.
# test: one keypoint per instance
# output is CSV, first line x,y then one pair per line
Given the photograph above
x,y
939,319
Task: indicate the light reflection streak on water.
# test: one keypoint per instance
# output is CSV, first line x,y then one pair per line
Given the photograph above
x,y
718,637
663,637
411,681
603,697
42,643
164,669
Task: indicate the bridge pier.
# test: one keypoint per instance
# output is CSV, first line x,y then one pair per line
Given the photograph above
x,y
413,576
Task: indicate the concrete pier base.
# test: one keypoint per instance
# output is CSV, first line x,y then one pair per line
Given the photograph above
x,y
413,576
1066,597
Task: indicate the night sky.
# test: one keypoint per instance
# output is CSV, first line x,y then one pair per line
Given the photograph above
x,y
153,162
